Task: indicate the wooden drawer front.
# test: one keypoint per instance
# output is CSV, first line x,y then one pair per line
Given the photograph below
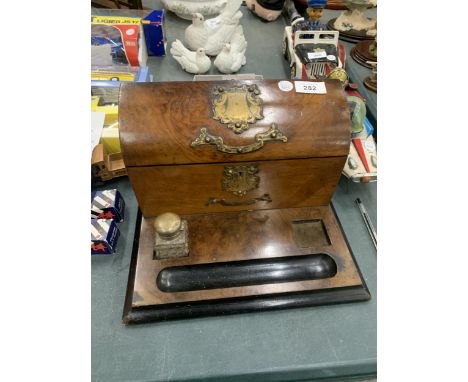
x,y
187,189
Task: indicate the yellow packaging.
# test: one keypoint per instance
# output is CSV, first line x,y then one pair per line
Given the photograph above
x,y
110,139
111,111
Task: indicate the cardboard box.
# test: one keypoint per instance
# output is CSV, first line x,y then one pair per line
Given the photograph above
x,y
111,110
104,236
110,139
106,166
117,40
107,204
155,33
112,76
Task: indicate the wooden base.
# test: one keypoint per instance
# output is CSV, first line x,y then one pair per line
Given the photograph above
x,y
360,53
351,35
252,260
369,84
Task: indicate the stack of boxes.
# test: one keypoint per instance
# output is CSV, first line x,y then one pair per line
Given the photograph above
x,y
121,41
107,209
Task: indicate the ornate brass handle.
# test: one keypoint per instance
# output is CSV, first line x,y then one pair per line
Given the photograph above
x,y
223,202
205,138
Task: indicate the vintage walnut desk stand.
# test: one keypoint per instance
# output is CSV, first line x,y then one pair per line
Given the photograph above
x,y
234,181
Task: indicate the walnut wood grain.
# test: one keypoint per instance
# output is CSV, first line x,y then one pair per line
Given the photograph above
x,y
242,236
159,121
186,189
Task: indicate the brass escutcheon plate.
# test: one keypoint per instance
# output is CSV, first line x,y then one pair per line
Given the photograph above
x,y
237,106
240,179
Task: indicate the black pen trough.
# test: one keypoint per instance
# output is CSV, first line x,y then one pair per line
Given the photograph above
x,y
247,272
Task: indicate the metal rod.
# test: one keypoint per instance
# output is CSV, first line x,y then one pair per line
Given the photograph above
x,y
367,221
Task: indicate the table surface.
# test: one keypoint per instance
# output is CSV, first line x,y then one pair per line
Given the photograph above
x,y
334,341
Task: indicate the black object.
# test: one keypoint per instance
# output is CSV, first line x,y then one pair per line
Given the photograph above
x,y
274,5
303,50
247,272
245,305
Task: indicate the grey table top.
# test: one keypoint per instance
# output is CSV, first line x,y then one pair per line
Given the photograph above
x,y
298,344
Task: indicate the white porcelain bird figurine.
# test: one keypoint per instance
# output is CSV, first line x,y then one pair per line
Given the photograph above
x,y
196,34
231,12
192,62
212,34
232,56
228,61
238,42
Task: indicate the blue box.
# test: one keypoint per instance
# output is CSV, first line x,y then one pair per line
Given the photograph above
x,y
154,31
107,204
104,236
